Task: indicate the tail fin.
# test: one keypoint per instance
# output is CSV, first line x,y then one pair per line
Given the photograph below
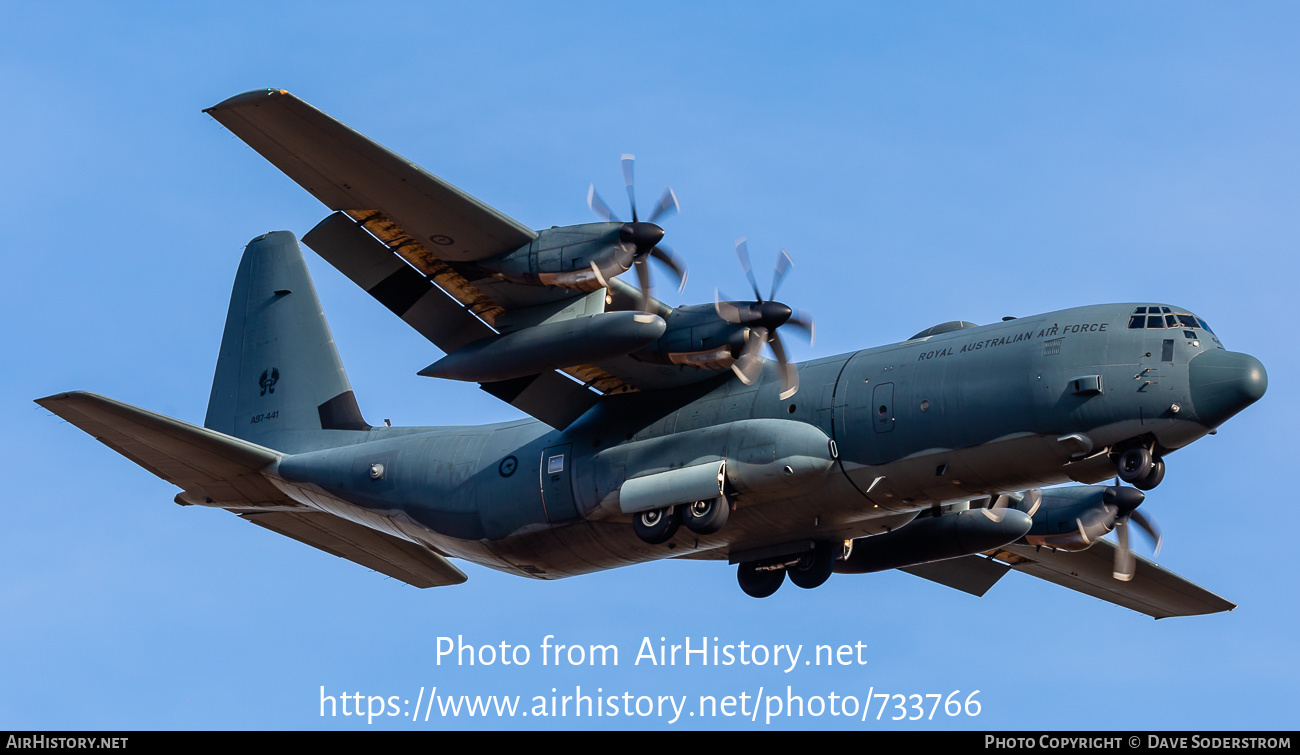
x,y
279,381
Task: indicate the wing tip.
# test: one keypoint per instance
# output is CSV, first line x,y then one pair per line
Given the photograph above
x,y
246,98
58,398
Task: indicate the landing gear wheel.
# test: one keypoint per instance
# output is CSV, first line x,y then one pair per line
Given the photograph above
x,y
1134,464
706,517
657,526
814,568
1153,477
759,584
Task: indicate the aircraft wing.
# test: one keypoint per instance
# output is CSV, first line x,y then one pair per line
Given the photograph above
x,y
217,470
349,172
1154,590
450,311
411,239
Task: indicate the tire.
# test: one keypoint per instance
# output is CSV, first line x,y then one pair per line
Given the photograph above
x,y
1133,464
814,568
758,584
1153,476
658,525
706,517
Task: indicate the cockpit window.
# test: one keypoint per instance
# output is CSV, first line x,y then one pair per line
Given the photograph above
x,y
1153,316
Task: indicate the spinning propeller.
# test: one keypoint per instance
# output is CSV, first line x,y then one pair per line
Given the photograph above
x,y
640,238
762,319
1125,501
1030,498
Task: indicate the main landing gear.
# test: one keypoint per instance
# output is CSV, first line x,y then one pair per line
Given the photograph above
x,y
701,517
1139,468
809,569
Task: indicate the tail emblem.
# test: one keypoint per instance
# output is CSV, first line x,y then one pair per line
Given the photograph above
x,y
268,380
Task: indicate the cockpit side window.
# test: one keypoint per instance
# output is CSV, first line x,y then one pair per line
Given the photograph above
x,y
1153,316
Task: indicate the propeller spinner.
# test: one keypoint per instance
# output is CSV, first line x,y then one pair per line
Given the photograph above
x,y
761,319
640,238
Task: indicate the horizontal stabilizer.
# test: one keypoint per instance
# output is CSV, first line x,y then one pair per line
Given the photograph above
x,y
207,464
1154,590
348,171
400,559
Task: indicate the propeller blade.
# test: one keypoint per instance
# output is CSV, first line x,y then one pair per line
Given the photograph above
x,y
666,205
598,206
803,322
749,365
1125,565
612,266
742,252
643,277
995,509
628,161
725,309
1149,527
783,264
789,375
1035,497
673,263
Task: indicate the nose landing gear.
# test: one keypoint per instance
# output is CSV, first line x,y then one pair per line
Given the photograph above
x,y
1139,468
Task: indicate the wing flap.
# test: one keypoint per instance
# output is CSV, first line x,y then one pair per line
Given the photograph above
x,y
404,290
549,396
400,559
1154,590
348,171
970,574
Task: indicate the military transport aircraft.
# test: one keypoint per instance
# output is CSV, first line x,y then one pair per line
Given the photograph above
x,y
661,432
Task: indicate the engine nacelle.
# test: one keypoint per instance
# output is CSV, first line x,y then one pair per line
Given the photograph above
x,y
563,257
696,336
1072,519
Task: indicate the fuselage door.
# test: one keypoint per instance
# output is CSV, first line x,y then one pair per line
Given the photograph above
x,y
557,483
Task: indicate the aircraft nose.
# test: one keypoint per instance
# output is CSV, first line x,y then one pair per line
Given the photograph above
x,y
1223,383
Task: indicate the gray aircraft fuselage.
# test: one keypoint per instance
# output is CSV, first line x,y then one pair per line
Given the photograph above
x,y
870,439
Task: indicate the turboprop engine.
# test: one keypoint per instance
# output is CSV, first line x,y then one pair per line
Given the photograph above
x,y
1074,518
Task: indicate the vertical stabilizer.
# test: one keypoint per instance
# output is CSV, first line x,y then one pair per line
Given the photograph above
x,y
279,380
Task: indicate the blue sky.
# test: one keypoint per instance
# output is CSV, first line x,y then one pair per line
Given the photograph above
x,y
921,162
